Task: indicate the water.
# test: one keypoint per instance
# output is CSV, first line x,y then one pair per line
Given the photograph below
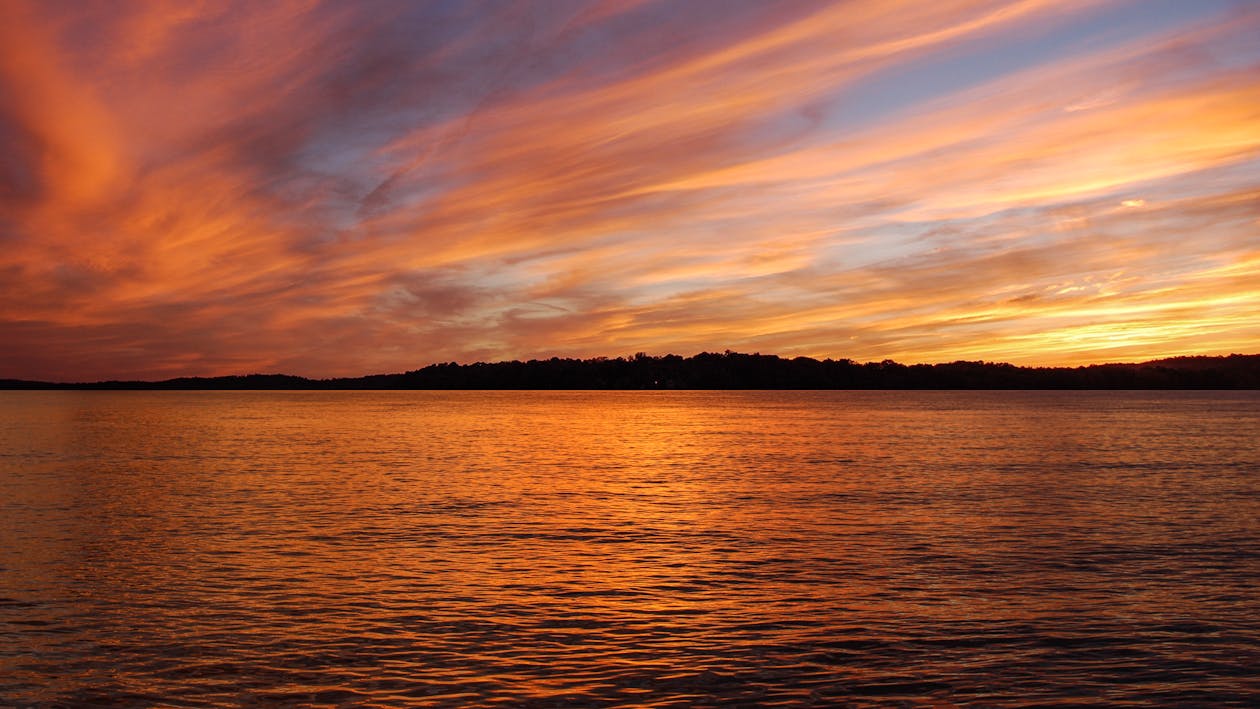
x,y
629,548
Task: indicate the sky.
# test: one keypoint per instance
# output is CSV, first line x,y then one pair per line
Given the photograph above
x,y
344,188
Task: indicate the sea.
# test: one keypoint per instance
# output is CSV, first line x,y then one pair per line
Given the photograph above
x,y
629,549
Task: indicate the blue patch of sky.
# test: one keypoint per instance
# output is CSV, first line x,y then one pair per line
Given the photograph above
x,y
1219,180
884,244
968,64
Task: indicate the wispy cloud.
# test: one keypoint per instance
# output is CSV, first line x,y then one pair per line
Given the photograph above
x,y
345,188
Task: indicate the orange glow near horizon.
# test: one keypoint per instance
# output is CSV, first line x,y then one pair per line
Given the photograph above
x,y
332,189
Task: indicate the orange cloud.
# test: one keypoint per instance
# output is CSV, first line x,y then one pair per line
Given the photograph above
x,y
316,188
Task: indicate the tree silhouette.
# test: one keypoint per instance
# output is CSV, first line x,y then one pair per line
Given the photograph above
x,y
733,370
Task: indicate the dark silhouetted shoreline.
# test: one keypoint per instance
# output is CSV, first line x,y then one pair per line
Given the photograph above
x,y
732,370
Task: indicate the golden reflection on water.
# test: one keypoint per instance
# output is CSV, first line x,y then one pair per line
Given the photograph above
x,y
612,548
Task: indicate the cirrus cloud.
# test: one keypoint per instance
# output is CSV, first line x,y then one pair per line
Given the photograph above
x,y
333,189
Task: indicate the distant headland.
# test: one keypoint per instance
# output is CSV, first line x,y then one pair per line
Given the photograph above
x,y
733,370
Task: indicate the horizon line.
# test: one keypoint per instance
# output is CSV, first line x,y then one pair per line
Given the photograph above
x,y
628,358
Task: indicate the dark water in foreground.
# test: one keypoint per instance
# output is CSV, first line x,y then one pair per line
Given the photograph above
x,y
629,548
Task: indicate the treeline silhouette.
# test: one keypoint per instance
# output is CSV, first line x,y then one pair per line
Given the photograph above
x,y
732,370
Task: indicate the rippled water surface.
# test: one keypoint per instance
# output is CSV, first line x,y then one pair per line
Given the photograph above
x,y
629,548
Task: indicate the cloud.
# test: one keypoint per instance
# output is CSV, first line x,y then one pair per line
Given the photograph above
x,y
330,188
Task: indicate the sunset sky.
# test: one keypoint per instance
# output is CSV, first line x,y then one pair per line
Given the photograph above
x,y
343,188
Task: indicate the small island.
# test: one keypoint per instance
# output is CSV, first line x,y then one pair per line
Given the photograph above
x,y
734,370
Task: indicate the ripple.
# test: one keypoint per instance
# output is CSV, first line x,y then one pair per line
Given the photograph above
x,y
602,549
